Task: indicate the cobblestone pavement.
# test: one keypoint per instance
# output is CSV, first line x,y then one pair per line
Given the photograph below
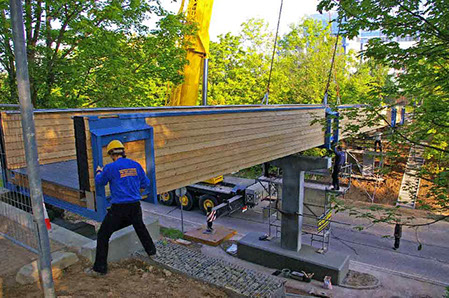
x,y
216,271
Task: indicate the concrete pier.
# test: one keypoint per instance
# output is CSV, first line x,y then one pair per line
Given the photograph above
x,y
293,168
288,251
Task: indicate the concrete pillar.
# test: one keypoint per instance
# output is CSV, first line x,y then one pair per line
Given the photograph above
x,y
293,168
292,205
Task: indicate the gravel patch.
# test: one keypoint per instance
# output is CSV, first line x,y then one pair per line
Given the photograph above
x,y
215,271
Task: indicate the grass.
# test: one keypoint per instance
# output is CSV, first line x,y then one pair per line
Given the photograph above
x,y
171,233
250,173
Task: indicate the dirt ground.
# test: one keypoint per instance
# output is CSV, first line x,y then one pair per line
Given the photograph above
x,y
130,278
385,192
358,279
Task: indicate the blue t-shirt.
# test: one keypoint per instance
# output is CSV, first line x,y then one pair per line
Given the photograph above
x,y
340,157
126,178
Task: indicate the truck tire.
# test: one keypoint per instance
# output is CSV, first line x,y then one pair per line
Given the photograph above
x,y
167,198
207,201
187,201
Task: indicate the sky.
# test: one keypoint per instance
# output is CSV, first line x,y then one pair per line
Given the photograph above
x,y
227,15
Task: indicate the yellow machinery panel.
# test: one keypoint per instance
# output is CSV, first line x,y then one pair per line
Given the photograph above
x,y
214,180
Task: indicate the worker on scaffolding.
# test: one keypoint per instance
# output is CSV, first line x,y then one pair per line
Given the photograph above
x,y
378,141
126,178
340,160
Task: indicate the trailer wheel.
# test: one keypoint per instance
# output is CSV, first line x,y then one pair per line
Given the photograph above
x,y
186,201
167,198
207,201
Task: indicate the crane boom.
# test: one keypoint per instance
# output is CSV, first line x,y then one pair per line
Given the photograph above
x,y
199,12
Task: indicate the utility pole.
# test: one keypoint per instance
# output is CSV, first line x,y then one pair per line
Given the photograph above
x,y
29,139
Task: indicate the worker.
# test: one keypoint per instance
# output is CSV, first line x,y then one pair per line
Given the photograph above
x,y
339,162
397,235
377,141
126,178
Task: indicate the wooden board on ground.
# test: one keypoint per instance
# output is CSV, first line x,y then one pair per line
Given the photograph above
x,y
219,235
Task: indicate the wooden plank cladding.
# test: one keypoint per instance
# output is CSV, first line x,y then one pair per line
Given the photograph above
x,y
192,146
357,118
55,131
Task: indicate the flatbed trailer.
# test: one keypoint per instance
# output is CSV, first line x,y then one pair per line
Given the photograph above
x,y
228,196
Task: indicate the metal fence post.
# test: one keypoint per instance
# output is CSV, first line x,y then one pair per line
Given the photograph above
x,y
29,139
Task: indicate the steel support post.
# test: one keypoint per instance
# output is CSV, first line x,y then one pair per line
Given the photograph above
x,y
205,80
29,139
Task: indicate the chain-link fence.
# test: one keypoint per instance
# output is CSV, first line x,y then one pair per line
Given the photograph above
x,y
16,215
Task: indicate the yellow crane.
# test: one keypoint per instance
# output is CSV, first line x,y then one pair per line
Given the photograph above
x,y
198,12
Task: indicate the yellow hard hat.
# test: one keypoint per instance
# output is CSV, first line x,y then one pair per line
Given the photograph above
x,y
115,144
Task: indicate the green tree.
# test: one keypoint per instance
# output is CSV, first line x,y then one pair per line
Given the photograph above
x,y
94,53
240,66
421,74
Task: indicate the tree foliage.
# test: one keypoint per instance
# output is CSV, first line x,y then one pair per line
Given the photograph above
x,y
240,66
421,72
94,53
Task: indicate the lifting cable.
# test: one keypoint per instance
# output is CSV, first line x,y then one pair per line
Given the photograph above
x,y
332,64
267,93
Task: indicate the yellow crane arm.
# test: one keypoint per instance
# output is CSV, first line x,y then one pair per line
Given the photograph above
x,y
199,12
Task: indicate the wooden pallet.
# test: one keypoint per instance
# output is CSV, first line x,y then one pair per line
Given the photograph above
x,y
219,235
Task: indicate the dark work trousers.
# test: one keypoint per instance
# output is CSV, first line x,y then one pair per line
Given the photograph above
x,y
119,217
397,235
335,174
397,241
377,144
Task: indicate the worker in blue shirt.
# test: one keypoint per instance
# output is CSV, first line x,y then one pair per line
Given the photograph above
x,y
126,178
340,160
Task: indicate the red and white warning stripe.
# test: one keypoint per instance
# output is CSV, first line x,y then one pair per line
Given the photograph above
x,y
47,220
211,216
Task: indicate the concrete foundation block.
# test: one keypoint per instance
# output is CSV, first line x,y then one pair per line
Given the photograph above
x,y
270,254
67,237
124,242
29,273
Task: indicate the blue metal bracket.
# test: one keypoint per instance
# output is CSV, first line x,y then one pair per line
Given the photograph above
x,y
394,113
331,136
125,129
402,116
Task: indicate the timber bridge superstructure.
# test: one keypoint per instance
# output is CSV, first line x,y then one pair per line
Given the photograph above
x,y
177,146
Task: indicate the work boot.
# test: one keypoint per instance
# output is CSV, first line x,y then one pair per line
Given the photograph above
x,y
152,252
91,272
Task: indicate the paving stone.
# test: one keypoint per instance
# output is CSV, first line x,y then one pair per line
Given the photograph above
x,y
215,271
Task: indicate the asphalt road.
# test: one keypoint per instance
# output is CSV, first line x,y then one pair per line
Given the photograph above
x,y
367,246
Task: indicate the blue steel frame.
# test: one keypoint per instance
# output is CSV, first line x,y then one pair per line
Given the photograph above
x,y
92,214
125,129
103,130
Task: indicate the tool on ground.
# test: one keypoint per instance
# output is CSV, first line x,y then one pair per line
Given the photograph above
x,y
297,275
327,283
264,237
307,276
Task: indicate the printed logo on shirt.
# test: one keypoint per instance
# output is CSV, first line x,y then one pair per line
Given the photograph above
x,y
128,172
